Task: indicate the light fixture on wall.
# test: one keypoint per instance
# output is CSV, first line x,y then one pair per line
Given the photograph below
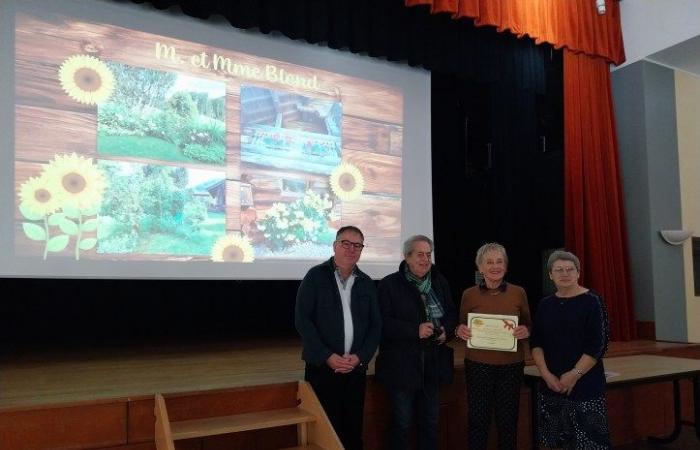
x,y
675,237
600,6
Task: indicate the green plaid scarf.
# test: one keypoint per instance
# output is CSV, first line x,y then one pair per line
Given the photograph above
x,y
433,308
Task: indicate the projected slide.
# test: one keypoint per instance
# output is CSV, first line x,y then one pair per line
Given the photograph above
x,y
135,146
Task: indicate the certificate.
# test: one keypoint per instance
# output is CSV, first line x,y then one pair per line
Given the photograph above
x,y
492,332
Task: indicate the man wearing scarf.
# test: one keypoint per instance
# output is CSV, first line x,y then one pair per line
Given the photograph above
x,y
418,317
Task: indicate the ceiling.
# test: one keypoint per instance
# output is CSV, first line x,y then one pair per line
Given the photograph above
x,y
684,56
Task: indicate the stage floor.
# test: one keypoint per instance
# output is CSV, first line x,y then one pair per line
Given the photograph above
x,y
36,378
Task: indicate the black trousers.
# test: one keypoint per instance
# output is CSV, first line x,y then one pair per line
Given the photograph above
x,y
343,398
493,390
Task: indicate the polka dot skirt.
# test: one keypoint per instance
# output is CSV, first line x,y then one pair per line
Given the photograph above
x,y
573,425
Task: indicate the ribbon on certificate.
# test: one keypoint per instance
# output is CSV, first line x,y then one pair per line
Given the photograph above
x,y
508,324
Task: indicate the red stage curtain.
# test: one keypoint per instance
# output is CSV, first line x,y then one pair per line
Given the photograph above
x,y
593,199
594,213
572,24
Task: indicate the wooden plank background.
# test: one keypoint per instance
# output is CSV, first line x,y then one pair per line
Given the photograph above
x,y
361,98
48,121
382,173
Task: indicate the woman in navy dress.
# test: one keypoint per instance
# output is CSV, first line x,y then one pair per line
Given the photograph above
x,y
568,341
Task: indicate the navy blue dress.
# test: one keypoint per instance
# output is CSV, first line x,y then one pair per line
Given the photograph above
x,y
565,329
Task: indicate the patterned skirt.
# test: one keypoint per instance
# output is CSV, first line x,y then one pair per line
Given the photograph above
x,y
573,425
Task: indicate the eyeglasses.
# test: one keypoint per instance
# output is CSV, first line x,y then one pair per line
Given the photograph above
x,y
562,270
347,245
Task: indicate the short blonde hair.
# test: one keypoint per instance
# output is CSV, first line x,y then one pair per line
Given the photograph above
x,y
490,247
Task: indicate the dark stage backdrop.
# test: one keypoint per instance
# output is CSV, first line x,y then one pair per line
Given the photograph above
x,y
498,164
497,157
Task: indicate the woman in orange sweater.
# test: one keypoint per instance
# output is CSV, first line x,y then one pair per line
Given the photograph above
x,y
493,377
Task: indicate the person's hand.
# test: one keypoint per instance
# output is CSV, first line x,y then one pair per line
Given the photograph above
x,y
353,359
425,330
339,363
521,332
553,383
464,332
443,336
568,381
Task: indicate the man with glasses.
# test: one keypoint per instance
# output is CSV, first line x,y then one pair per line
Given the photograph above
x,y
338,318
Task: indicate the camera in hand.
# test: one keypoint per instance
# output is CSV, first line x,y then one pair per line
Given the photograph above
x,y
434,339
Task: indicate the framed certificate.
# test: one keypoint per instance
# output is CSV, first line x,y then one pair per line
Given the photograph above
x,y
492,332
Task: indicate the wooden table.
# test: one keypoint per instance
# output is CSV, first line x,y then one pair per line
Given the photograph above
x,y
634,370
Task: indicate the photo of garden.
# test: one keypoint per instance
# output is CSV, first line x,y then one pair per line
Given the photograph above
x,y
300,229
299,139
165,116
172,210
290,131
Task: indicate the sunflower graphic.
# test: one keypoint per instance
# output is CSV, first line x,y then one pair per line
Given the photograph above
x,y
347,182
86,79
39,197
77,180
233,248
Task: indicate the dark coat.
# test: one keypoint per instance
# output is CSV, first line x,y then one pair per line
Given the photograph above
x,y
318,316
405,361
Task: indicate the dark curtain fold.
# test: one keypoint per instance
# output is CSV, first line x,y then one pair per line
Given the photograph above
x,y
494,182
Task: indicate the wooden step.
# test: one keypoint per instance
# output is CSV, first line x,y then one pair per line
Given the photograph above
x,y
188,429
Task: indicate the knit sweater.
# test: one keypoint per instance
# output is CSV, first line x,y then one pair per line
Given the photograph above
x,y
508,299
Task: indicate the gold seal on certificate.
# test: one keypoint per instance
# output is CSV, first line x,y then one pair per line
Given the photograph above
x,y
492,332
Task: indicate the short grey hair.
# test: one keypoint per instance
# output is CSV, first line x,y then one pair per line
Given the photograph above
x,y
490,247
408,243
561,255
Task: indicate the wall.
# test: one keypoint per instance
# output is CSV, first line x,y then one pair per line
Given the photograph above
x,y
644,97
674,22
687,105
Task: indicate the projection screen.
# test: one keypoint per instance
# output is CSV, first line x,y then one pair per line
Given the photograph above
x,y
142,144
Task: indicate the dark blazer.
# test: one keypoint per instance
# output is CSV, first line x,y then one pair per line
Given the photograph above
x,y
405,361
318,316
